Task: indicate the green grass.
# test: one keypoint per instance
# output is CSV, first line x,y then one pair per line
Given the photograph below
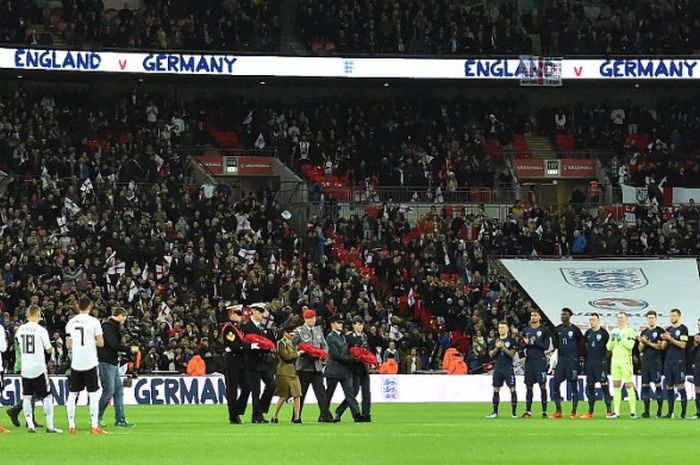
x,y
399,434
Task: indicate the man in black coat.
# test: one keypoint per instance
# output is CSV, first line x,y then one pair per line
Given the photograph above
x,y
338,367
234,362
260,365
108,356
360,373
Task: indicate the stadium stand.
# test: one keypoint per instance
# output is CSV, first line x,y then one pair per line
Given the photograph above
x,y
96,183
439,27
87,24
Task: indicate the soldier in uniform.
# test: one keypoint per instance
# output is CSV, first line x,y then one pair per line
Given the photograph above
x,y
234,362
309,368
260,365
360,371
287,381
338,367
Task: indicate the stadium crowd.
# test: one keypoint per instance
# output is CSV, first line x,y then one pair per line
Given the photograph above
x,y
103,204
621,27
424,141
208,25
647,142
438,27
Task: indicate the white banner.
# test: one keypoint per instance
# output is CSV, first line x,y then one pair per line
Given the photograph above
x,y
680,195
607,287
683,195
378,68
633,195
176,390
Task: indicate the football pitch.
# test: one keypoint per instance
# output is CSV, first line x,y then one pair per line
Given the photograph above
x,y
399,433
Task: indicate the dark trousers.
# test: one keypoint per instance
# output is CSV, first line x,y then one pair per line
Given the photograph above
x,y
347,385
359,382
315,379
236,379
258,372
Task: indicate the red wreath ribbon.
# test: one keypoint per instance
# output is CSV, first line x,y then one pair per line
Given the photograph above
x,y
262,342
313,351
363,355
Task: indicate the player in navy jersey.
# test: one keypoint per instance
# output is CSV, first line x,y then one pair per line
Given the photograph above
x,y
650,348
502,352
568,342
535,339
596,338
675,340
696,371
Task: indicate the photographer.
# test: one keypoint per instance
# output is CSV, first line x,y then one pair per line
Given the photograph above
x,y
109,366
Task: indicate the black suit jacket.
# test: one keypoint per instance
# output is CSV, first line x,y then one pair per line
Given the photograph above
x,y
339,362
257,358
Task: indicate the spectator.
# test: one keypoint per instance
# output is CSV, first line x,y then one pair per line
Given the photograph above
x,y
411,362
457,365
196,366
389,367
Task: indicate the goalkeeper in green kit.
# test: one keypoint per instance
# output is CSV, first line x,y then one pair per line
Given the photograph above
x,y
621,343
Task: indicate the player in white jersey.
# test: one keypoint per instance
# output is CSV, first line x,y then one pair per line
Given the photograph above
x,y
34,344
83,337
3,348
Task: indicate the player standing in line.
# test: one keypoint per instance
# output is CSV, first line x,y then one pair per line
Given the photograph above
x,y
34,343
696,372
650,348
535,339
675,339
502,353
83,337
621,344
596,365
569,341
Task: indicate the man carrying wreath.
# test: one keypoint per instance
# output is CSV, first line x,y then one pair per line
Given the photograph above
x,y
309,368
360,371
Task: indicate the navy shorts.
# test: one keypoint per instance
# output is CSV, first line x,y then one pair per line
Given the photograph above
x,y
674,373
651,372
503,376
596,372
566,370
535,371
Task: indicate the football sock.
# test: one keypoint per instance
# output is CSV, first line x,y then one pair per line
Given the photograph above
x,y
528,400
684,401
632,399
659,400
697,404
557,398
617,399
671,400
645,397
70,408
514,402
606,397
48,411
496,400
27,409
590,390
543,391
94,398
574,397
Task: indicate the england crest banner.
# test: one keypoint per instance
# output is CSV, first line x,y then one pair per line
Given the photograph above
x,y
607,287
